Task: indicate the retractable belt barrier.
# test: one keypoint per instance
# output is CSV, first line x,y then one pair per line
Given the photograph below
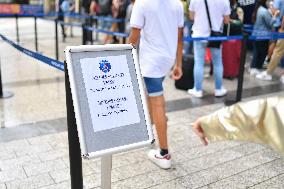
x,y
247,28
273,36
71,15
223,38
59,65
54,63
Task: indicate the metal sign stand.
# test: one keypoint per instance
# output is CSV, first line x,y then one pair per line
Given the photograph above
x,y
73,139
106,172
74,147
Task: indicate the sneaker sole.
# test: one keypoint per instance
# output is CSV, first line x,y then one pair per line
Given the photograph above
x,y
195,95
264,79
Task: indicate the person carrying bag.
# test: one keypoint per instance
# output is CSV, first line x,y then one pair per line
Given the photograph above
x,y
212,44
199,14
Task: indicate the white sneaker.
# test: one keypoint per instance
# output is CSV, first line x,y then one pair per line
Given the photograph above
x,y
264,76
163,162
195,93
254,71
282,79
220,92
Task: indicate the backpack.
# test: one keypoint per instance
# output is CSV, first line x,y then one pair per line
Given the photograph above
x,y
104,7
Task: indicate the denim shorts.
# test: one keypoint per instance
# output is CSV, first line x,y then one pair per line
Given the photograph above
x,y
154,86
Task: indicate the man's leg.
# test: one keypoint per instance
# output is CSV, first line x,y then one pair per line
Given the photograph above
x,y
157,105
199,54
276,56
275,60
217,67
216,53
199,49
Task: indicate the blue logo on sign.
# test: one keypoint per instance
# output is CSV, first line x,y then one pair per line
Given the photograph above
x,y
105,66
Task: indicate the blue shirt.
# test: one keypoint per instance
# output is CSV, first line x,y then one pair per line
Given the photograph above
x,y
264,22
279,5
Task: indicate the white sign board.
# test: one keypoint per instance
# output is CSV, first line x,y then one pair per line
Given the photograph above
x,y
109,99
110,92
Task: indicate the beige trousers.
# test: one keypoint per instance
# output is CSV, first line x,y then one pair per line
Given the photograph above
x,y
276,56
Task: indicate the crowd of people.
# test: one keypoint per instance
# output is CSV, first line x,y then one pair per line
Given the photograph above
x,y
267,18
158,27
265,15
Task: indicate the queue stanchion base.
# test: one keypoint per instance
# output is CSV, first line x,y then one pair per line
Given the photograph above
x,y
6,94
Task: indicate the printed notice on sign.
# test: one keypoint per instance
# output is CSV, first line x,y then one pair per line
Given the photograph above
x,y
110,92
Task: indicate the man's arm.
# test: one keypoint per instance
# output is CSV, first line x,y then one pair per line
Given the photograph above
x,y
57,5
134,36
177,71
227,19
257,121
191,15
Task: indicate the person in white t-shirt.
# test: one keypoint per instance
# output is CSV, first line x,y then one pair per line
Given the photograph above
x,y
159,25
219,11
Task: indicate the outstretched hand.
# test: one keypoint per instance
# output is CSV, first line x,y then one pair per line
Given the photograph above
x,y
199,131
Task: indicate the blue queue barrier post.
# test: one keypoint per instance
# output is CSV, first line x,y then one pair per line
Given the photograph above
x,y
56,39
238,97
3,94
97,25
91,24
124,40
73,139
83,34
36,37
17,28
87,36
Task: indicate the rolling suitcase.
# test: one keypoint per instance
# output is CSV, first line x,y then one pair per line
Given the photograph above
x,y
186,81
231,56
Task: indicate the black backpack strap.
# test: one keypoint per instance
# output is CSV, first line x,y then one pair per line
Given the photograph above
x,y
208,14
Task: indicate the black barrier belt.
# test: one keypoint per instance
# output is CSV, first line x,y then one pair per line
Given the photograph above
x,y
54,63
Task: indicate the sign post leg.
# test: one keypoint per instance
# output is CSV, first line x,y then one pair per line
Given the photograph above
x,y
36,37
56,39
17,28
106,172
73,139
97,34
3,94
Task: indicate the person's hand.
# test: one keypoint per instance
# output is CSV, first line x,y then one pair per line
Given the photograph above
x,y
199,131
277,13
177,73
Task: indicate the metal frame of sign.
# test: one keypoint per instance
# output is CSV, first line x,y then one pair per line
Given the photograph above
x,y
111,47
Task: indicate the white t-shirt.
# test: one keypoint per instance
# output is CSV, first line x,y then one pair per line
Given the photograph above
x,y
217,10
159,21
